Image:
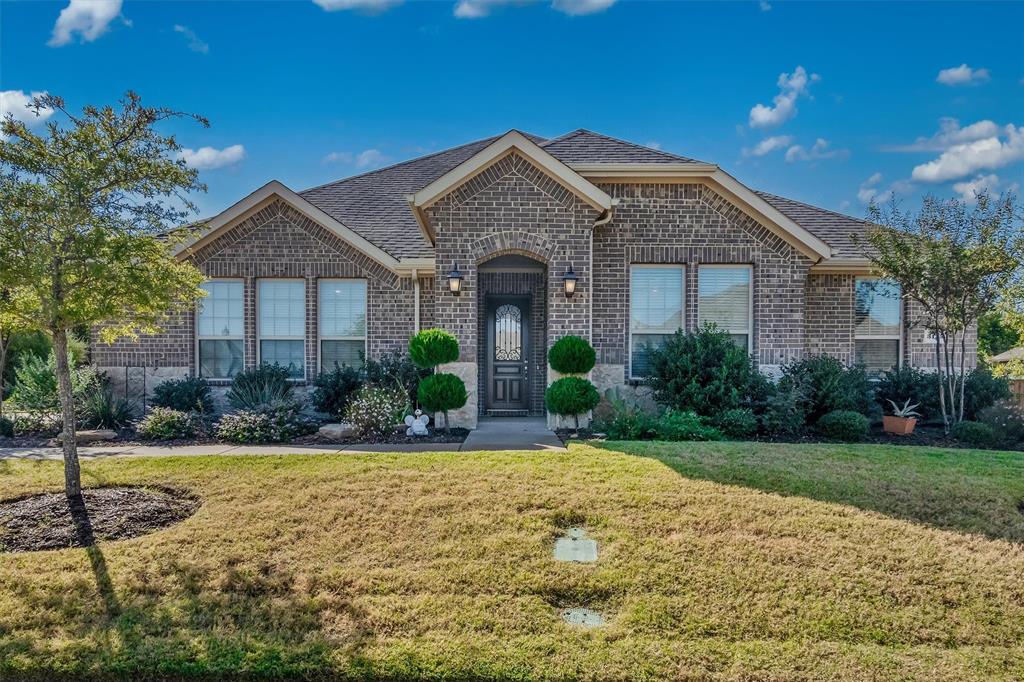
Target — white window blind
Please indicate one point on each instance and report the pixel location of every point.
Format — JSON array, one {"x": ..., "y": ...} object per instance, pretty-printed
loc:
[
  {"x": 656, "y": 311},
  {"x": 876, "y": 324},
  {"x": 220, "y": 329},
  {"x": 342, "y": 306},
  {"x": 723, "y": 299},
  {"x": 282, "y": 324}
]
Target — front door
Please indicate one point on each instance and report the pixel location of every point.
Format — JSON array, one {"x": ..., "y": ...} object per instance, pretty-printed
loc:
[{"x": 507, "y": 345}]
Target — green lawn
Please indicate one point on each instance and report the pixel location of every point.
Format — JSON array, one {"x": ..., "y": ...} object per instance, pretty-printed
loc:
[{"x": 731, "y": 561}]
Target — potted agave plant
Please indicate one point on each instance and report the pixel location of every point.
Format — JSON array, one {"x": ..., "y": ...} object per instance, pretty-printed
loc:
[{"x": 902, "y": 420}]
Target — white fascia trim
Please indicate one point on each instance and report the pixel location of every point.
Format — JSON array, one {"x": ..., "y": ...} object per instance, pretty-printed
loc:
[
  {"x": 233, "y": 214},
  {"x": 762, "y": 211},
  {"x": 844, "y": 266},
  {"x": 494, "y": 151},
  {"x": 415, "y": 267}
]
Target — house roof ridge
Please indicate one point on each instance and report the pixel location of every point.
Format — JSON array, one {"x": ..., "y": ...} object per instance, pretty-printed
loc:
[{"x": 636, "y": 145}]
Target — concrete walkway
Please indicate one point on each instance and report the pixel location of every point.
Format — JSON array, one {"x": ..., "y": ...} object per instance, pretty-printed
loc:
[{"x": 509, "y": 433}]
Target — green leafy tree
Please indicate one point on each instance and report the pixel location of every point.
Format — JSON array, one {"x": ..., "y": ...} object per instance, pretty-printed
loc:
[
  {"x": 87, "y": 232},
  {"x": 995, "y": 336},
  {"x": 10, "y": 324},
  {"x": 956, "y": 262}
]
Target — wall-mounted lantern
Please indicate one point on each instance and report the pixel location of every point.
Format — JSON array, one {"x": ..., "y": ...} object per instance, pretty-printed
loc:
[
  {"x": 569, "y": 280},
  {"x": 455, "y": 280}
]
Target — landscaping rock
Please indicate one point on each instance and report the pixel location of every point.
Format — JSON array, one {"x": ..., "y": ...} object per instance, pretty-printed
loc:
[
  {"x": 91, "y": 436},
  {"x": 338, "y": 431}
]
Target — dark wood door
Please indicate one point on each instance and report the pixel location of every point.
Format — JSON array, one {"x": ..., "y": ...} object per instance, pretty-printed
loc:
[{"x": 507, "y": 353}]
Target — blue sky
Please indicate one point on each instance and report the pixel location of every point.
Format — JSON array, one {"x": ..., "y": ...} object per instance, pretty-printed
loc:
[{"x": 906, "y": 98}]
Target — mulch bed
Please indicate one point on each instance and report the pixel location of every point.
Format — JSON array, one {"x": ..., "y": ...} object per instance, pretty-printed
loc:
[
  {"x": 50, "y": 521},
  {"x": 397, "y": 438}
]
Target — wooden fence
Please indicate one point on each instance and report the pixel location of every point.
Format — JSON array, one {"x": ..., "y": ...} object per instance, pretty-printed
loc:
[{"x": 1017, "y": 388}]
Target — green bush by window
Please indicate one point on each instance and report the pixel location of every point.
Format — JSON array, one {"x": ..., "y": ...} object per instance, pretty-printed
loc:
[
  {"x": 704, "y": 372},
  {"x": 621, "y": 419},
  {"x": 983, "y": 389},
  {"x": 845, "y": 425},
  {"x": 259, "y": 387},
  {"x": 738, "y": 423},
  {"x": 35, "y": 383},
  {"x": 828, "y": 385},
  {"x": 975, "y": 434},
  {"x": 909, "y": 383},
  {"x": 784, "y": 410},
  {"x": 189, "y": 394},
  {"x": 572, "y": 355},
  {"x": 679, "y": 425},
  {"x": 334, "y": 389},
  {"x": 571, "y": 397},
  {"x": 433, "y": 347},
  {"x": 101, "y": 409},
  {"x": 165, "y": 423},
  {"x": 394, "y": 368}
]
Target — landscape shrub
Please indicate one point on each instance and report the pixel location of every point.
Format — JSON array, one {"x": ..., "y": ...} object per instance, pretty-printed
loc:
[
  {"x": 621, "y": 419},
  {"x": 271, "y": 423},
  {"x": 259, "y": 387},
  {"x": 35, "y": 383},
  {"x": 166, "y": 423},
  {"x": 20, "y": 345},
  {"x": 827, "y": 385},
  {"x": 571, "y": 397},
  {"x": 189, "y": 394},
  {"x": 737, "y": 423},
  {"x": 845, "y": 425},
  {"x": 396, "y": 367},
  {"x": 982, "y": 389},
  {"x": 572, "y": 355},
  {"x": 37, "y": 424},
  {"x": 976, "y": 434},
  {"x": 784, "y": 409},
  {"x": 6, "y": 428},
  {"x": 376, "y": 410},
  {"x": 101, "y": 409},
  {"x": 441, "y": 393},
  {"x": 334, "y": 389},
  {"x": 909, "y": 383},
  {"x": 704, "y": 372},
  {"x": 1006, "y": 420},
  {"x": 678, "y": 425},
  {"x": 433, "y": 347}
]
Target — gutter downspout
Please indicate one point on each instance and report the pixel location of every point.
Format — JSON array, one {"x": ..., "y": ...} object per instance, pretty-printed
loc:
[
  {"x": 415, "y": 301},
  {"x": 604, "y": 219}
]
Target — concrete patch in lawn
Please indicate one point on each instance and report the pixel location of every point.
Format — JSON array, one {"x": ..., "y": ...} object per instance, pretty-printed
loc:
[
  {"x": 575, "y": 546},
  {"x": 587, "y": 618}
]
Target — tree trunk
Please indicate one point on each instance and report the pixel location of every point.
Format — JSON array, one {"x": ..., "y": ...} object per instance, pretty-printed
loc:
[
  {"x": 963, "y": 374},
  {"x": 941, "y": 384},
  {"x": 447, "y": 425},
  {"x": 72, "y": 471},
  {"x": 5, "y": 342}
]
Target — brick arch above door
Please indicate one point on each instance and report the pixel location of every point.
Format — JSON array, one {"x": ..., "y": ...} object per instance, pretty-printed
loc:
[{"x": 513, "y": 242}]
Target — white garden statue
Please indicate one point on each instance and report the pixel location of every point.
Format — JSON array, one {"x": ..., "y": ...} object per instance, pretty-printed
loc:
[{"x": 417, "y": 425}]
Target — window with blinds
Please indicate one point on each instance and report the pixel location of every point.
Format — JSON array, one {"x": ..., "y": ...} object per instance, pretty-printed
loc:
[
  {"x": 877, "y": 324},
  {"x": 724, "y": 300},
  {"x": 342, "y": 309},
  {"x": 655, "y": 311},
  {"x": 220, "y": 329},
  {"x": 281, "y": 322}
]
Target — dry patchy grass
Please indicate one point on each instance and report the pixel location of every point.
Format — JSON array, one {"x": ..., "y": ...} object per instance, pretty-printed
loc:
[{"x": 439, "y": 565}]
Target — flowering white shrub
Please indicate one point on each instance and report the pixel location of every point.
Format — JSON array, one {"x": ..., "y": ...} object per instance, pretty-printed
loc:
[
  {"x": 375, "y": 410},
  {"x": 272, "y": 424}
]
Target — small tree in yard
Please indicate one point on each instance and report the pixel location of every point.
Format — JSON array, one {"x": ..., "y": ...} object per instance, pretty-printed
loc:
[
  {"x": 956, "y": 262},
  {"x": 86, "y": 234},
  {"x": 571, "y": 395},
  {"x": 438, "y": 392}
]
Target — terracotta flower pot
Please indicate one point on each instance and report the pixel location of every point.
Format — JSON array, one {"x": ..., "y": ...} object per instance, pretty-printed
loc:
[{"x": 901, "y": 426}]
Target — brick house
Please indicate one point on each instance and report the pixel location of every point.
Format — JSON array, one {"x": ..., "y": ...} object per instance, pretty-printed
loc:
[{"x": 655, "y": 242}]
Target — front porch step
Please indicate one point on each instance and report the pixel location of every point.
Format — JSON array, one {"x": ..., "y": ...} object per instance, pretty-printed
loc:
[{"x": 508, "y": 413}]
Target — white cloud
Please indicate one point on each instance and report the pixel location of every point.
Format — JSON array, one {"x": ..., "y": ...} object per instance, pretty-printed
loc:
[
  {"x": 765, "y": 5},
  {"x": 208, "y": 158},
  {"x": 962, "y": 160},
  {"x": 950, "y": 133},
  {"x": 367, "y": 6},
  {"x": 970, "y": 189},
  {"x": 15, "y": 103},
  {"x": 576, "y": 8},
  {"x": 368, "y": 158},
  {"x": 818, "y": 151},
  {"x": 791, "y": 87},
  {"x": 868, "y": 189},
  {"x": 653, "y": 144},
  {"x": 962, "y": 75},
  {"x": 194, "y": 43},
  {"x": 90, "y": 18},
  {"x": 768, "y": 145},
  {"x": 844, "y": 204},
  {"x": 477, "y": 9}
]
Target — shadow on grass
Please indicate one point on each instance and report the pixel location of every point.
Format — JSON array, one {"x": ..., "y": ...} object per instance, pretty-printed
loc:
[
  {"x": 87, "y": 539},
  {"x": 960, "y": 490}
]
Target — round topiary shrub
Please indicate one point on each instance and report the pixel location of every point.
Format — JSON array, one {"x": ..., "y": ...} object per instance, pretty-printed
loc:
[
  {"x": 571, "y": 396},
  {"x": 433, "y": 347},
  {"x": 738, "y": 423},
  {"x": 844, "y": 425},
  {"x": 440, "y": 393},
  {"x": 572, "y": 355},
  {"x": 978, "y": 434}
]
